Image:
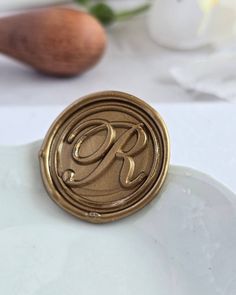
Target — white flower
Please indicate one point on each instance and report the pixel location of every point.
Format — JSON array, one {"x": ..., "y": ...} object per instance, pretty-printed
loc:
[
  {"x": 187, "y": 24},
  {"x": 207, "y": 5},
  {"x": 219, "y": 23}
]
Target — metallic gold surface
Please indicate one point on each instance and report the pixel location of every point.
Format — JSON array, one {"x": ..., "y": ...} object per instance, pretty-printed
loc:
[{"x": 105, "y": 157}]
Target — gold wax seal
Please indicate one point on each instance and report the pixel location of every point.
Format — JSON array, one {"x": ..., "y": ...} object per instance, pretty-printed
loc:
[{"x": 105, "y": 157}]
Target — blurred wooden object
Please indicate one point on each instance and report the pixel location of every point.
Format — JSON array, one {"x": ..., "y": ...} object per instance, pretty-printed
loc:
[{"x": 56, "y": 41}]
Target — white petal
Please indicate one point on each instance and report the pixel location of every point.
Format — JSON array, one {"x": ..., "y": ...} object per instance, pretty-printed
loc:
[
  {"x": 221, "y": 23},
  {"x": 215, "y": 75}
]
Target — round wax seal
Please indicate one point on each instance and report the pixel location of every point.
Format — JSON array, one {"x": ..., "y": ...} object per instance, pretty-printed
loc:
[{"x": 105, "y": 157}]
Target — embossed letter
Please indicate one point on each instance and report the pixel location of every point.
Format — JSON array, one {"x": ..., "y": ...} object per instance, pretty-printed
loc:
[{"x": 110, "y": 150}]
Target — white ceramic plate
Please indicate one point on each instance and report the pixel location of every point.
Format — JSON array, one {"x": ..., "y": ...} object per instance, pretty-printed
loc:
[{"x": 182, "y": 243}]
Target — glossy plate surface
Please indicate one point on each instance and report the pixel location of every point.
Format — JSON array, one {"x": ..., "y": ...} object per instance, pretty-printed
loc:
[{"x": 181, "y": 243}]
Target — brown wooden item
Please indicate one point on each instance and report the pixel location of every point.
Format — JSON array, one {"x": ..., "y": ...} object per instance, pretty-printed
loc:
[
  {"x": 105, "y": 157},
  {"x": 56, "y": 41}
]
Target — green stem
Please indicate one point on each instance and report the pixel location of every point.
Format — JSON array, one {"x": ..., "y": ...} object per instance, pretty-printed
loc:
[
  {"x": 123, "y": 15},
  {"x": 86, "y": 3}
]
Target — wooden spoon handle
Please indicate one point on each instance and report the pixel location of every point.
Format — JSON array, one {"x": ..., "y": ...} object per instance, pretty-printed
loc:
[{"x": 56, "y": 41}]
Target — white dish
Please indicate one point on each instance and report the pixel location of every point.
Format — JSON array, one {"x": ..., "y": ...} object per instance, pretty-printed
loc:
[{"x": 182, "y": 243}]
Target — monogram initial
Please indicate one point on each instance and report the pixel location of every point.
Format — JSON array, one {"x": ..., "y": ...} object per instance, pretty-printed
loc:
[{"x": 111, "y": 149}]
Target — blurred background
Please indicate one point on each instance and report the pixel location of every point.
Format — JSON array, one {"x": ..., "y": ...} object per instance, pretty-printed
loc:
[
  {"x": 178, "y": 55},
  {"x": 169, "y": 51}
]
